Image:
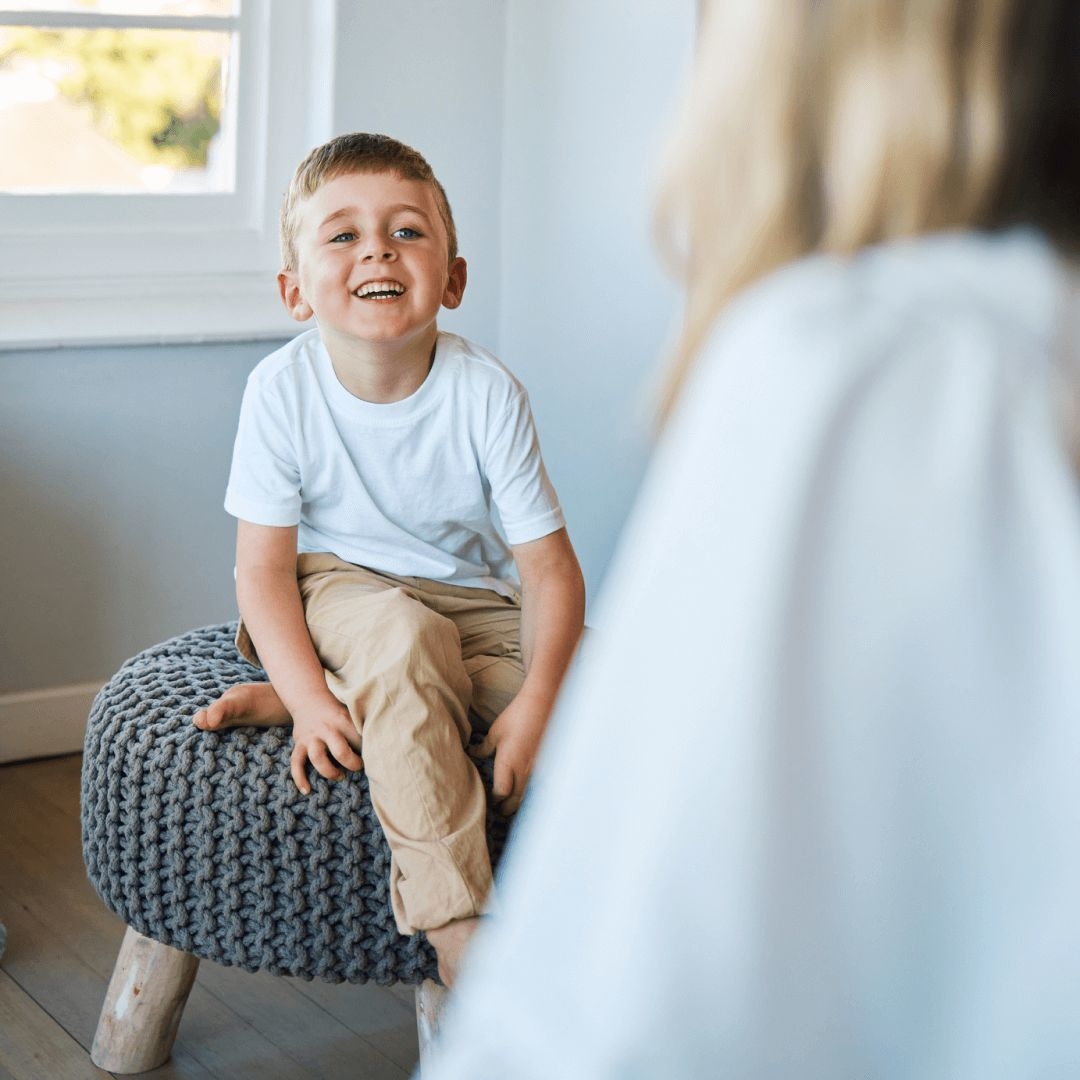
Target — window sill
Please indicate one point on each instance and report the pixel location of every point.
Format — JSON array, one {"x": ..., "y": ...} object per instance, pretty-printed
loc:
[{"x": 133, "y": 311}]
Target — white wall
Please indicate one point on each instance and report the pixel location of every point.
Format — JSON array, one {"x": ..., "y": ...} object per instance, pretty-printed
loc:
[
  {"x": 590, "y": 87},
  {"x": 112, "y": 470},
  {"x": 430, "y": 73},
  {"x": 112, "y": 535}
]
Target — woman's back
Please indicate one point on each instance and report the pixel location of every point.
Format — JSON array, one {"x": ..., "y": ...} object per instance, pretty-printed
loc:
[{"x": 831, "y": 707}]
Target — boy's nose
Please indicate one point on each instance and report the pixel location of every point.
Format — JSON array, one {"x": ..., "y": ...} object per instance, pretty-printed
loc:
[{"x": 377, "y": 253}]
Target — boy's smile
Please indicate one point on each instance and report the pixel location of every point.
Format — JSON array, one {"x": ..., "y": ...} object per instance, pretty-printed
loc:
[
  {"x": 372, "y": 264},
  {"x": 380, "y": 290}
]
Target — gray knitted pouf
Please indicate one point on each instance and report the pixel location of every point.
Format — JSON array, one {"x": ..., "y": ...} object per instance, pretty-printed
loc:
[{"x": 201, "y": 840}]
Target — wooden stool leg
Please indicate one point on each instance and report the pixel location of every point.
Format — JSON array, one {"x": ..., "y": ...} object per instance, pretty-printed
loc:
[
  {"x": 146, "y": 997},
  {"x": 430, "y": 1000}
]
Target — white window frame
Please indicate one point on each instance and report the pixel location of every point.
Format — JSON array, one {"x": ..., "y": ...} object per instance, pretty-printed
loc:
[{"x": 124, "y": 269}]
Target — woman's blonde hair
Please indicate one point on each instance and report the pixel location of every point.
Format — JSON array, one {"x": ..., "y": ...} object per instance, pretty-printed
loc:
[{"x": 829, "y": 125}]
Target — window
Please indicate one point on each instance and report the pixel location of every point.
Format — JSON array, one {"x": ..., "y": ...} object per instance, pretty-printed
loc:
[{"x": 146, "y": 147}]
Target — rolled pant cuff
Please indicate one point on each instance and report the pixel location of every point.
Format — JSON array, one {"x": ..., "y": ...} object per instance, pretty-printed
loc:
[{"x": 444, "y": 883}]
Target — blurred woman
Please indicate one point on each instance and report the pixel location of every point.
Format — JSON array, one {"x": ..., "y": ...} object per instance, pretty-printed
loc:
[{"x": 810, "y": 807}]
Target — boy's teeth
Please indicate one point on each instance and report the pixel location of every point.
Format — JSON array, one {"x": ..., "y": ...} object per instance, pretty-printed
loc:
[{"x": 379, "y": 291}]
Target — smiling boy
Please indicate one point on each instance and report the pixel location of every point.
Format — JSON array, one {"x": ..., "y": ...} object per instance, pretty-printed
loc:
[{"x": 373, "y": 584}]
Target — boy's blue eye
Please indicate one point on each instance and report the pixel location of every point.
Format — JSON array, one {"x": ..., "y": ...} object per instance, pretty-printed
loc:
[
  {"x": 406, "y": 233},
  {"x": 342, "y": 237}
]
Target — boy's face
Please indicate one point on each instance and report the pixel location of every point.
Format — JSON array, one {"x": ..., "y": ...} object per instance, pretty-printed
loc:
[{"x": 372, "y": 260}]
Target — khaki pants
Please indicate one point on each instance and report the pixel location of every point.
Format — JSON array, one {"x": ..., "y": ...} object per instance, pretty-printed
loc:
[{"x": 408, "y": 658}]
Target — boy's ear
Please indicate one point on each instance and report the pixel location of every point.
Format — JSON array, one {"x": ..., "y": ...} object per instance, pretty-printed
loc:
[
  {"x": 455, "y": 283},
  {"x": 289, "y": 289}
]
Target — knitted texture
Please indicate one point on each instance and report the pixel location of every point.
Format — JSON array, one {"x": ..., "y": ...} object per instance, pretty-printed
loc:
[{"x": 201, "y": 840}]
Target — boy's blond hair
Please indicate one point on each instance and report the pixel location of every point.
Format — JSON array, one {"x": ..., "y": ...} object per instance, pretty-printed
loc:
[
  {"x": 830, "y": 125},
  {"x": 357, "y": 152}
]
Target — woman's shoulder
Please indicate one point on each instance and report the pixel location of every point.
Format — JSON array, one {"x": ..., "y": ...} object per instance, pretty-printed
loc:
[
  {"x": 1011, "y": 281},
  {"x": 908, "y": 356}
]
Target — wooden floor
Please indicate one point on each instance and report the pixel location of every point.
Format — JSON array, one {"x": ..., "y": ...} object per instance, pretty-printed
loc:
[{"x": 62, "y": 942}]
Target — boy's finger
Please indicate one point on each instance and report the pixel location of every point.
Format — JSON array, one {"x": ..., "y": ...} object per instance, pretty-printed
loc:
[
  {"x": 348, "y": 732},
  {"x": 319, "y": 756},
  {"x": 510, "y": 805},
  {"x": 299, "y": 773},
  {"x": 503, "y": 783},
  {"x": 347, "y": 757}
]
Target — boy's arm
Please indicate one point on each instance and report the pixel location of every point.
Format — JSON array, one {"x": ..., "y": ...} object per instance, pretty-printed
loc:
[
  {"x": 552, "y": 620},
  {"x": 273, "y": 613}
]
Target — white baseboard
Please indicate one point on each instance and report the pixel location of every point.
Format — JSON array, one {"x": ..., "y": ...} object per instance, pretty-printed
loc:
[{"x": 41, "y": 723}]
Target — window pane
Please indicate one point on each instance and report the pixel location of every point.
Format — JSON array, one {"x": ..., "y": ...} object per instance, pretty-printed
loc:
[
  {"x": 187, "y": 8},
  {"x": 104, "y": 111}
]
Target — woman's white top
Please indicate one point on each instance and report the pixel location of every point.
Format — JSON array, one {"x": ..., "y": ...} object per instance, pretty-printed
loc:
[{"x": 811, "y": 806}]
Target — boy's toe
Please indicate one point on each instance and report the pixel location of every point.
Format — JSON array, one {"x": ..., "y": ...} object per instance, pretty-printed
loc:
[{"x": 209, "y": 719}]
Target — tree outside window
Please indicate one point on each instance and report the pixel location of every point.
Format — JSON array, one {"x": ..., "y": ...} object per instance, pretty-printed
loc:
[{"x": 117, "y": 107}]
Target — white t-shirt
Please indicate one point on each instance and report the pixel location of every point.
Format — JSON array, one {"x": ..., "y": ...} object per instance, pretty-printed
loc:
[
  {"x": 811, "y": 806},
  {"x": 407, "y": 488}
]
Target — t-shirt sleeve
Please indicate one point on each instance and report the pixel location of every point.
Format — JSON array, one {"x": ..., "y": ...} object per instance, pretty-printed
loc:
[
  {"x": 264, "y": 481},
  {"x": 520, "y": 488}
]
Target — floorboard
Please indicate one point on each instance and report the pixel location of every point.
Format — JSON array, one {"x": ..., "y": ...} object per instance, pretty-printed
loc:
[
  {"x": 62, "y": 942},
  {"x": 33, "y": 1046},
  {"x": 373, "y": 1012}
]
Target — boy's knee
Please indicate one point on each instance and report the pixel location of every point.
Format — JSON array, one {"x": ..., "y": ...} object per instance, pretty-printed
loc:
[
  {"x": 413, "y": 651},
  {"x": 420, "y": 636},
  {"x": 401, "y": 662},
  {"x": 387, "y": 628}
]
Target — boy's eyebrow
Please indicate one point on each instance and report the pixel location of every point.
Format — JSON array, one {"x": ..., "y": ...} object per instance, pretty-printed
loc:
[{"x": 349, "y": 211}]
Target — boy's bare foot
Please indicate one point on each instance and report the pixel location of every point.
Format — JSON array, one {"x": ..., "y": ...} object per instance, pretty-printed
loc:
[
  {"x": 248, "y": 705},
  {"x": 451, "y": 942}
]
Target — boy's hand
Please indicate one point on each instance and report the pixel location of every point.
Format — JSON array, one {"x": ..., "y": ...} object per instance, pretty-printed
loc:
[
  {"x": 325, "y": 735},
  {"x": 514, "y": 739}
]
